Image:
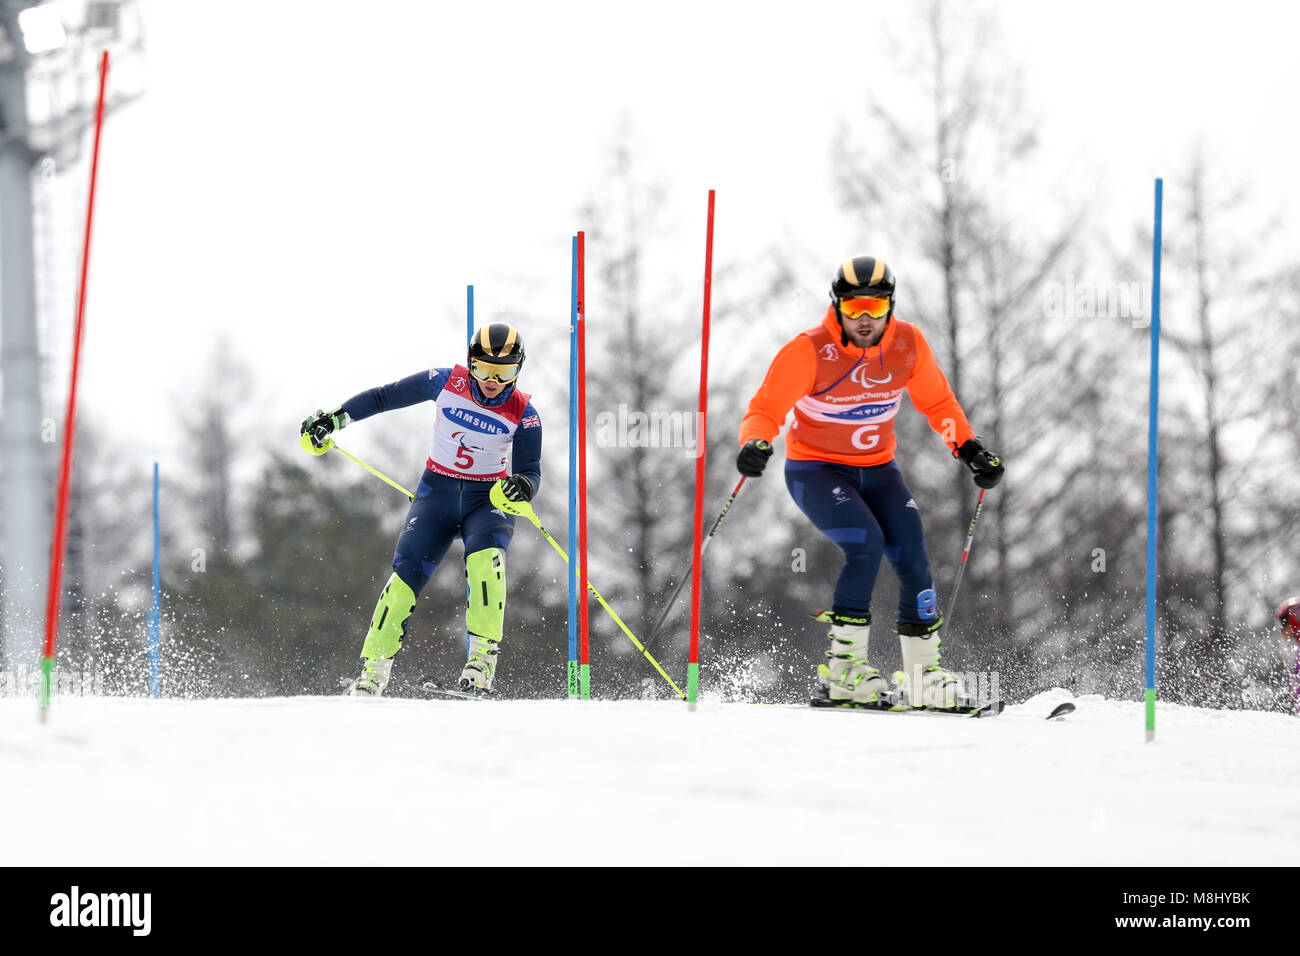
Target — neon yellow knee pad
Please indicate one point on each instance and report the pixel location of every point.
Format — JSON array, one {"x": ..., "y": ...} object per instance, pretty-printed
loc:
[
  {"x": 485, "y": 608},
  {"x": 396, "y": 602}
]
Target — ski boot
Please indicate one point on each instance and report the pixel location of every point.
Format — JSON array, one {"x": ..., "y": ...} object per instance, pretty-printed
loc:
[
  {"x": 384, "y": 639},
  {"x": 373, "y": 679},
  {"x": 846, "y": 677},
  {"x": 481, "y": 668},
  {"x": 485, "y": 611},
  {"x": 924, "y": 681}
]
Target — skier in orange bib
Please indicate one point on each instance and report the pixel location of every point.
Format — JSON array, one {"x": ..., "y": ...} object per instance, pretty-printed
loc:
[{"x": 845, "y": 380}]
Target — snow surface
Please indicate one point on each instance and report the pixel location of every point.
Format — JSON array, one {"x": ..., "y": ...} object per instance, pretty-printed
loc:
[{"x": 312, "y": 780}]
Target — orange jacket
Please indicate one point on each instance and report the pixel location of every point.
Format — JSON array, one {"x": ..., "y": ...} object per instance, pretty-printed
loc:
[{"x": 845, "y": 398}]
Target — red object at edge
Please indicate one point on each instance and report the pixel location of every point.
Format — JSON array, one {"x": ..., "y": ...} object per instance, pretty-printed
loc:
[{"x": 69, "y": 423}]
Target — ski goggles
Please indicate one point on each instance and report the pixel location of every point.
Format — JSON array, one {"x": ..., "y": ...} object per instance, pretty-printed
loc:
[
  {"x": 874, "y": 306},
  {"x": 487, "y": 371}
]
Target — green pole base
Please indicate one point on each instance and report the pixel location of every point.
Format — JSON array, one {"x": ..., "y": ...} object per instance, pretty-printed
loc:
[
  {"x": 584, "y": 674},
  {"x": 47, "y": 678},
  {"x": 573, "y": 680},
  {"x": 692, "y": 683},
  {"x": 1151, "y": 714}
]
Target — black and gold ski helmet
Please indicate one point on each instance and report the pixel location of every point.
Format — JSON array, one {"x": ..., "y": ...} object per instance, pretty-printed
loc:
[
  {"x": 496, "y": 351},
  {"x": 863, "y": 276}
]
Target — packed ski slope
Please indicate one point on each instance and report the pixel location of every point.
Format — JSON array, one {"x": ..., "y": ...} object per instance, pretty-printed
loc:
[{"x": 333, "y": 780}]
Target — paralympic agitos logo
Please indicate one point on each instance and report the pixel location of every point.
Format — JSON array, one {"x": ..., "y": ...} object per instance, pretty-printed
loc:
[{"x": 859, "y": 376}]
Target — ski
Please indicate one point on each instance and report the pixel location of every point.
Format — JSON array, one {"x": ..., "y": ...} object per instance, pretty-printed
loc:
[
  {"x": 991, "y": 709},
  {"x": 431, "y": 686}
]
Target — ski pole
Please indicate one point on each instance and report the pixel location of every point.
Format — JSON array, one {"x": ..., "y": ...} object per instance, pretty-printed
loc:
[
  {"x": 663, "y": 615},
  {"x": 961, "y": 568},
  {"x": 526, "y": 510},
  {"x": 330, "y": 443}
]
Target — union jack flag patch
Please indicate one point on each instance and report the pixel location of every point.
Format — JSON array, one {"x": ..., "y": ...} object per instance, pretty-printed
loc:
[{"x": 530, "y": 421}]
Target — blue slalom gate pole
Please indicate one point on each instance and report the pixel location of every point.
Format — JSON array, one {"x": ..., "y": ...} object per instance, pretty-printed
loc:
[
  {"x": 469, "y": 314},
  {"x": 155, "y": 622},
  {"x": 1153, "y": 461},
  {"x": 574, "y": 690}
]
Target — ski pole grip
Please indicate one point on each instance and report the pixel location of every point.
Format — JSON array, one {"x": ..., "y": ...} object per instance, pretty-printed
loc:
[{"x": 499, "y": 500}]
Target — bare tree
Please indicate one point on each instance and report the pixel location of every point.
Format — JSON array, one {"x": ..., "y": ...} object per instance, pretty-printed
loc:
[
  {"x": 633, "y": 341},
  {"x": 213, "y": 449},
  {"x": 1220, "y": 320}
]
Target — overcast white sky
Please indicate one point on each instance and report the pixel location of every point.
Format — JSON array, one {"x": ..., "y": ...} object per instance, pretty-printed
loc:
[{"x": 319, "y": 181}]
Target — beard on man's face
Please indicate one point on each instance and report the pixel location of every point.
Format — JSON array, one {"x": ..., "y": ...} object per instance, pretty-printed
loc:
[{"x": 867, "y": 337}]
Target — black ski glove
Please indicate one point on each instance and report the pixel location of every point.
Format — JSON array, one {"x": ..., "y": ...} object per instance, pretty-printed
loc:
[
  {"x": 984, "y": 465},
  {"x": 321, "y": 425},
  {"x": 517, "y": 488},
  {"x": 753, "y": 457}
]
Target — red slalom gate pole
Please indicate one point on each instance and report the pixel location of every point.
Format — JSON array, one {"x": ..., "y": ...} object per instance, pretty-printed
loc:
[
  {"x": 701, "y": 446},
  {"x": 584, "y": 649},
  {"x": 70, "y": 426}
]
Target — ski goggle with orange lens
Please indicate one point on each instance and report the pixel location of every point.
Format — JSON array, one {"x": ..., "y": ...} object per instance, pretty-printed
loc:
[
  {"x": 487, "y": 371},
  {"x": 874, "y": 306}
]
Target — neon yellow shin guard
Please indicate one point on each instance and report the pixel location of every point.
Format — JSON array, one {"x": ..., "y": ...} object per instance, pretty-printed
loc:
[
  {"x": 485, "y": 609},
  {"x": 396, "y": 602}
]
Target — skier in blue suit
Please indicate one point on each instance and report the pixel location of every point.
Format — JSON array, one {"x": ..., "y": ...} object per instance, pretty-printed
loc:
[{"x": 486, "y": 430}]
